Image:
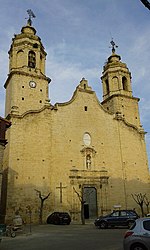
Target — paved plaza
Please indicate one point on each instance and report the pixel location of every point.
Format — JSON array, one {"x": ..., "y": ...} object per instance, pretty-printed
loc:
[{"x": 72, "y": 237}]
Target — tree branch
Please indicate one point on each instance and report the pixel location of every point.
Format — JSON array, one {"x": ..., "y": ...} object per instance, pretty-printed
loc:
[{"x": 42, "y": 197}]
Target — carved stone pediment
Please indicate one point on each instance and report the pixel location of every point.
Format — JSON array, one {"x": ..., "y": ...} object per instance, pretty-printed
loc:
[{"x": 88, "y": 150}]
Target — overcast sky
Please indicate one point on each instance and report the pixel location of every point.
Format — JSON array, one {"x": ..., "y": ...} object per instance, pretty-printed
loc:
[{"x": 76, "y": 35}]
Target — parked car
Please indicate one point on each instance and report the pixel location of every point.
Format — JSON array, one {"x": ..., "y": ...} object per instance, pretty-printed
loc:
[
  {"x": 117, "y": 218},
  {"x": 59, "y": 218},
  {"x": 138, "y": 236}
]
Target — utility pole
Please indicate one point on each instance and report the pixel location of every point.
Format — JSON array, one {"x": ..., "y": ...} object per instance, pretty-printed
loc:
[{"x": 146, "y": 3}]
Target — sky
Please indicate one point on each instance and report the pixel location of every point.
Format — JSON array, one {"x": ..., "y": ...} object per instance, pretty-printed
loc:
[{"x": 76, "y": 35}]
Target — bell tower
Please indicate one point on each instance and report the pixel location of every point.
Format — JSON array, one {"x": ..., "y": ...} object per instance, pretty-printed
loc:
[
  {"x": 26, "y": 85},
  {"x": 117, "y": 89}
]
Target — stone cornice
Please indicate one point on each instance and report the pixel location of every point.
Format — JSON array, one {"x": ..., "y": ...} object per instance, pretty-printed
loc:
[
  {"x": 122, "y": 119},
  {"x": 25, "y": 74},
  {"x": 25, "y": 43},
  {"x": 120, "y": 95},
  {"x": 36, "y": 111}
]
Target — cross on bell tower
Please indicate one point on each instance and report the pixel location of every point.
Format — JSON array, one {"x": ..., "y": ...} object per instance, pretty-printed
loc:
[
  {"x": 31, "y": 15},
  {"x": 113, "y": 45}
]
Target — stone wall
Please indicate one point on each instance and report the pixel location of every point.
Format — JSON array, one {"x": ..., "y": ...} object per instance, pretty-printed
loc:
[{"x": 49, "y": 151}]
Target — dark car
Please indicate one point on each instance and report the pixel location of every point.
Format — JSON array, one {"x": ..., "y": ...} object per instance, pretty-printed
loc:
[
  {"x": 117, "y": 218},
  {"x": 59, "y": 218}
]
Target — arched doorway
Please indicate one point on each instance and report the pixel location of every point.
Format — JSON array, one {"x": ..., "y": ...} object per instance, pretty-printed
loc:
[{"x": 90, "y": 206}]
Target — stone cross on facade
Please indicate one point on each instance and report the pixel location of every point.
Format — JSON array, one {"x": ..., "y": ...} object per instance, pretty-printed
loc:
[{"x": 61, "y": 191}]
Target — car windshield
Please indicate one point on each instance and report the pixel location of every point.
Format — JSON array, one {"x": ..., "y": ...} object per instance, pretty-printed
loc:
[
  {"x": 115, "y": 214},
  {"x": 132, "y": 212}
]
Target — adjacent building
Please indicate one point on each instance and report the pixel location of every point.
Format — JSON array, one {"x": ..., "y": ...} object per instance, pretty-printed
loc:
[{"x": 4, "y": 124}]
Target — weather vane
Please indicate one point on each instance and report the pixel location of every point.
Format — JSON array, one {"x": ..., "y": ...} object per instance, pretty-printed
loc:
[
  {"x": 31, "y": 15},
  {"x": 113, "y": 46}
]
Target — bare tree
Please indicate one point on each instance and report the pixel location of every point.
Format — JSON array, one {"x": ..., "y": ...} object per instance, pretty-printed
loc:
[
  {"x": 82, "y": 202},
  {"x": 139, "y": 199},
  {"x": 146, "y": 3},
  {"x": 147, "y": 202},
  {"x": 42, "y": 199}
]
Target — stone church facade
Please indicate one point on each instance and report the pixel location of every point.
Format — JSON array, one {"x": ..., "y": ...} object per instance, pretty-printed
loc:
[{"x": 86, "y": 147}]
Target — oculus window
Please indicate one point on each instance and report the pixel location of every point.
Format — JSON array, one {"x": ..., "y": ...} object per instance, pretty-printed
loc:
[{"x": 87, "y": 139}]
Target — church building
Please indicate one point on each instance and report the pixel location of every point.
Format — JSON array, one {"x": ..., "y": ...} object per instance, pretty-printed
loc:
[{"x": 80, "y": 148}]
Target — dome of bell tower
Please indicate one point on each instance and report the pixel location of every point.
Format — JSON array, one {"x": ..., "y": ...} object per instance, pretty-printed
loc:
[
  {"x": 114, "y": 58},
  {"x": 28, "y": 30}
]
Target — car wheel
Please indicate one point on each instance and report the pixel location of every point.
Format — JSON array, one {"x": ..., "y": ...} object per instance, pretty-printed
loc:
[
  {"x": 13, "y": 234},
  {"x": 138, "y": 247},
  {"x": 103, "y": 225}
]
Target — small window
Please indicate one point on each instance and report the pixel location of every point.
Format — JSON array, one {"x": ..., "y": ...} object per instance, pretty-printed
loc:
[
  {"x": 115, "y": 214},
  {"x": 123, "y": 213},
  {"x": 23, "y": 87},
  {"x": 124, "y": 83},
  {"x": 40, "y": 101},
  {"x": 85, "y": 108},
  {"x": 22, "y": 98},
  {"x": 133, "y": 226},
  {"x": 35, "y": 45},
  {"x": 31, "y": 59},
  {"x": 107, "y": 86},
  {"x": 146, "y": 225}
]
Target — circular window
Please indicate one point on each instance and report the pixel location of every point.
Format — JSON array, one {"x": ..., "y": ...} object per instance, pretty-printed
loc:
[{"x": 87, "y": 139}]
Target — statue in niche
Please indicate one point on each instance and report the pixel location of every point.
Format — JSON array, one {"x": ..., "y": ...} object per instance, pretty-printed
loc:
[{"x": 88, "y": 161}]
